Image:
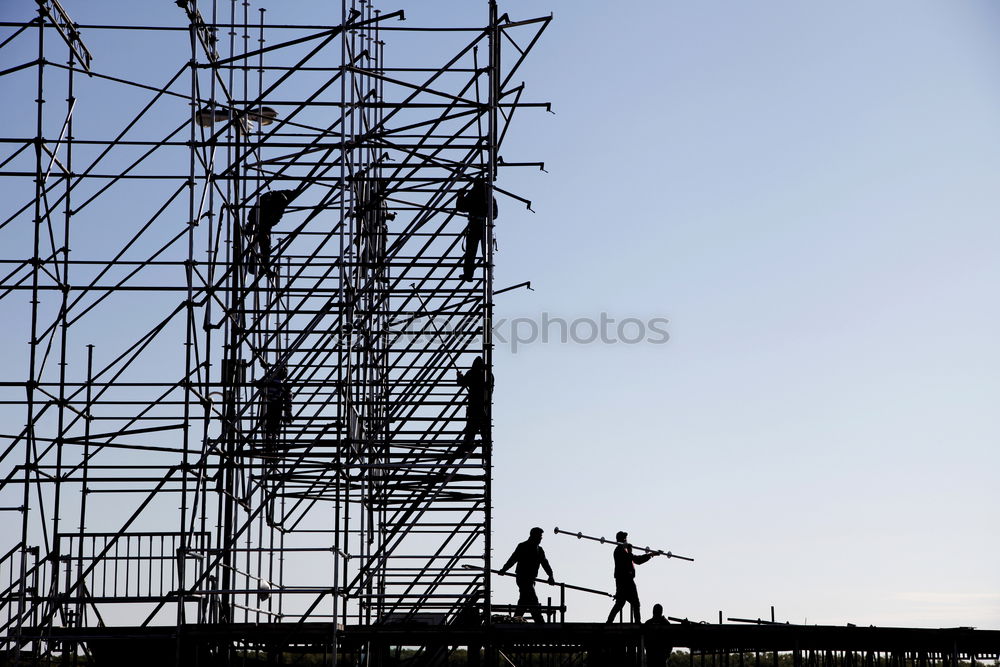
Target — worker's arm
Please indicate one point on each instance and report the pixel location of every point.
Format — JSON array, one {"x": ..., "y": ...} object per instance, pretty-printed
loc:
[
  {"x": 547, "y": 568},
  {"x": 510, "y": 561},
  {"x": 462, "y": 202},
  {"x": 639, "y": 560}
]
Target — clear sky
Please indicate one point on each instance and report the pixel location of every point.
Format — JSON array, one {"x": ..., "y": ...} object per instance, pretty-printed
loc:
[{"x": 807, "y": 191}]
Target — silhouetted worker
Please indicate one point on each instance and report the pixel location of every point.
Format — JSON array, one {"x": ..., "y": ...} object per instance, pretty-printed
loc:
[
  {"x": 657, "y": 650},
  {"x": 479, "y": 389},
  {"x": 529, "y": 555},
  {"x": 475, "y": 202},
  {"x": 372, "y": 214},
  {"x": 625, "y": 590},
  {"x": 275, "y": 406},
  {"x": 264, "y": 215}
]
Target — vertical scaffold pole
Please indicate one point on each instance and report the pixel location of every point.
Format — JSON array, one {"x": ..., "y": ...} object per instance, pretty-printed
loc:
[
  {"x": 33, "y": 375},
  {"x": 342, "y": 274},
  {"x": 491, "y": 166}
]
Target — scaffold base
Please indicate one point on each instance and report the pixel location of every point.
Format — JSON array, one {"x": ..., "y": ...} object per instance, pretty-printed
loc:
[{"x": 522, "y": 644}]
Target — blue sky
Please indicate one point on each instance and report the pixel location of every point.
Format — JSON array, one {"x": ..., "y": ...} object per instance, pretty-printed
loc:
[{"x": 807, "y": 192}]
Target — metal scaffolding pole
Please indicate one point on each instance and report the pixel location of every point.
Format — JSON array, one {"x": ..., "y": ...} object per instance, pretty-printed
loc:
[{"x": 250, "y": 408}]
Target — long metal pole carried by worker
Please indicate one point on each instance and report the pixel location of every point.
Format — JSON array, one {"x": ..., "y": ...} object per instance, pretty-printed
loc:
[
  {"x": 546, "y": 581},
  {"x": 603, "y": 540}
]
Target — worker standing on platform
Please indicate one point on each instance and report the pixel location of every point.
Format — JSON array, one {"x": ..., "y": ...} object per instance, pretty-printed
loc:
[
  {"x": 475, "y": 202},
  {"x": 625, "y": 590},
  {"x": 478, "y": 383},
  {"x": 529, "y": 555},
  {"x": 657, "y": 651},
  {"x": 263, "y": 216},
  {"x": 275, "y": 406}
]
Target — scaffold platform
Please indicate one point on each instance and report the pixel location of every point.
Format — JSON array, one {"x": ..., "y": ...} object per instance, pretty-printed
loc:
[{"x": 728, "y": 644}]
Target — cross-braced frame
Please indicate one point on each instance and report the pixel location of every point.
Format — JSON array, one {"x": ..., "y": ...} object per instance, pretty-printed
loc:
[{"x": 250, "y": 291}]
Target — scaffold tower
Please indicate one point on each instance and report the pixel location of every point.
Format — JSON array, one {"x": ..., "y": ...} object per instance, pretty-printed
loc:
[{"x": 247, "y": 290}]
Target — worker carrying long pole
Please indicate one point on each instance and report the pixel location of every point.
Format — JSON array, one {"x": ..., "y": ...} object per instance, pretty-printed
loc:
[
  {"x": 625, "y": 561},
  {"x": 634, "y": 547},
  {"x": 625, "y": 590},
  {"x": 529, "y": 555}
]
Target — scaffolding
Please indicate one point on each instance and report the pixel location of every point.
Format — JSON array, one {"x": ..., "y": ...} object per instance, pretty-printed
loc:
[{"x": 244, "y": 285}]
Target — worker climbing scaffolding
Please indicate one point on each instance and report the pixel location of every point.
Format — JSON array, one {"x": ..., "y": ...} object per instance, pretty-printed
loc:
[
  {"x": 372, "y": 214},
  {"x": 275, "y": 407},
  {"x": 263, "y": 216},
  {"x": 269, "y": 278},
  {"x": 474, "y": 201},
  {"x": 478, "y": 384}
]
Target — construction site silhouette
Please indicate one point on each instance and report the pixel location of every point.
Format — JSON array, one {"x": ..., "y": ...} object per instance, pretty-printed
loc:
[{"x": 254, "y": 420}]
